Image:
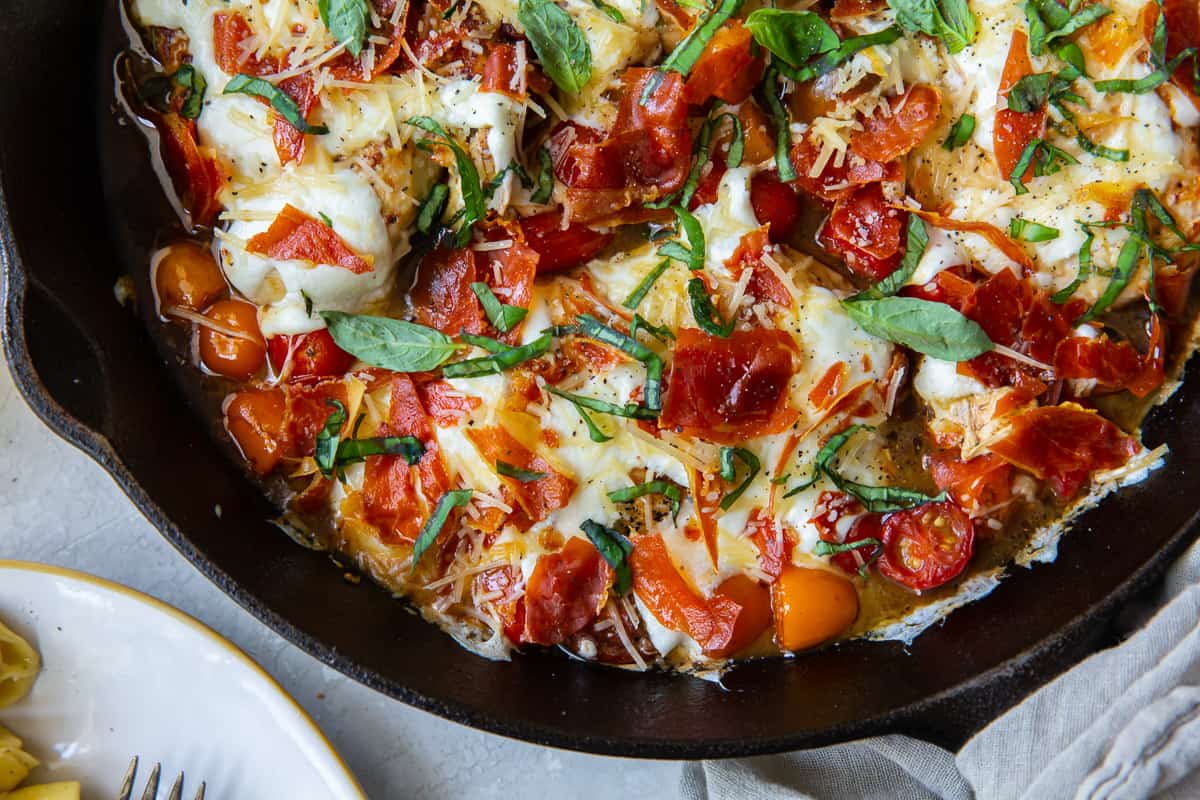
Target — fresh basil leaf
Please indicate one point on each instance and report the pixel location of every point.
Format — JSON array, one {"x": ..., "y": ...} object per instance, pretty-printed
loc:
[
  {"x": 503, "y": 317},
  {"x": 949, "y": 20},
  {"x": 284, "y": 105},
  {"x": 960, "y": 132},
  {"x": 325, "y": 451},
  {"x": 834, "y": 58},
  {"x": 1085, "y": 268},
  {"x": 687, "y": 52},
  {"x": 707, "y": 316},
  {"x": 883, "y": 499},
  {"x": 1045, "y": 159},
  {"x": 474, "y": 204},
  {"x": 772, "y": 89},
  {"x": 615, "y": 549},
  {"x": 647, "y": 283},
  {"x": 545, "y": 178},
  {"x": 1030, "y": 92},
  {"x": 437, "y": 520},
  {"x": 729, "y": 472},
  {"x": 389, "y": 343},
  {"x": 594, "y": 433},
  {"x": 1060, "y": 22},
  {"x": 486, "y": 342},
  {"x": 792, "y": 36},
  {"x": 352, "y": 451},
  {"x": 432, "y": 208},
  {"x": 592, "y": 327},
  {"x": 693, "y": 255},
  {"x": 917, "y": 241},
  {"x": 934, "y": 329},
  {"x": 346, "y": 21},
  {"x": 1029, "y": 231},
  {"x": 612, "y": 13},
  {"x": 518, "y": 473},
  {"x": 1086, "y": 144},
  {"x": 661, "y": 332},
  {"x": 665, "y": 488},
  {"x": 561, "y": 47},
  {"x": 308, "y": 304},
  {"x": 499, "y": 361},
  {"x": 824, "y": 548},
  {"x": 876, "y": 499},
  {"x": 1127, "y": 260},
  {"x": 628, "y": 411},
  {"x": 328, "y": 223},
  {"x": 194, "y": 86}
]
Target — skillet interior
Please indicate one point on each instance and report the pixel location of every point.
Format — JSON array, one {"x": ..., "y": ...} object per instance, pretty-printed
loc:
[{"x": 83, "y": 207}]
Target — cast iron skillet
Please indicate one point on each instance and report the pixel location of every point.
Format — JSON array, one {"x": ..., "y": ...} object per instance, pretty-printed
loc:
[{"x": 80, "y": 207}]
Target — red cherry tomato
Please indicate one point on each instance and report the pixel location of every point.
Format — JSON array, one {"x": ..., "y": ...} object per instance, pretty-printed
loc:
[
  {"x": 314, "y": 355},
  {"x": 776, "y": 204},
  {"x": 560, "y": 249},
  {"x": 926, "y": 546}
]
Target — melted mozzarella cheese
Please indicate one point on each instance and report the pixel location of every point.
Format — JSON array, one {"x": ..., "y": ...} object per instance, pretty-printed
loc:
[
  {"x": 353, "y": 208},
  {"x": 467, "y": 108},
  {"x": 727, "y": 220}
]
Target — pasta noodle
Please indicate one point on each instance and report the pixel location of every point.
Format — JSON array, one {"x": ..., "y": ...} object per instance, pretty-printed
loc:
[
  {"x": 15, "y": 763},
  {"x": 63, "y": 790},
  {"x": 19, "y": 665}
]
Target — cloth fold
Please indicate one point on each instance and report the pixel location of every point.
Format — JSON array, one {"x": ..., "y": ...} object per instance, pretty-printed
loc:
[{"x": 1123, "y": 724}]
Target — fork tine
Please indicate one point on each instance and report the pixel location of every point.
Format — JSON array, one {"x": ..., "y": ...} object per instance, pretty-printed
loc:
[
  {"x": 127, "y": 783},
  {"x": 177, "y": 789},
  {"x": 200, "y": 791},
  {"x": 152, "y": 785}
]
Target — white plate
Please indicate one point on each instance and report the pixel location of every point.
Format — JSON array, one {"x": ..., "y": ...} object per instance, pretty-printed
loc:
[{"x": 125, "y": 674}]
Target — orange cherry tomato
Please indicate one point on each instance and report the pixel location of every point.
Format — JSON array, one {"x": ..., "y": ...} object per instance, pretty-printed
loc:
[
  {"x": 234, "y": 356},
  {"x": 254, "y": 419},
  {"x": 926, "y": 546},
  {"x": 811, "y": 606},
  {"x": 314, "y": 355},
  {"x": 753, "y": 618},
  {"x": 187, "y": 276}
]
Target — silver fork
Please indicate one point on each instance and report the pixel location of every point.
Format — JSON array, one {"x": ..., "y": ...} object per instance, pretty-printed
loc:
[{"x": 151, "y": 791}]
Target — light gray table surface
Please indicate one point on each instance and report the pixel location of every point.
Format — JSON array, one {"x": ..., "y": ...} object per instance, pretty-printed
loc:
[{"x": 60, "y": 508}]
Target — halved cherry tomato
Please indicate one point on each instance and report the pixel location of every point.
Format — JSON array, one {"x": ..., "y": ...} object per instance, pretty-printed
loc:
[
  {"x": 314, "y": 355},
  {"x": 775, "y": 204},
  {"x": 811, "y": 606},
  {"x": 565, "y": 592},
  {"x": 926, "y": 546},
  {"x": 561, "y": 249},
  {"x": 867, "y": 232},
  {"x": 254, "y": 419},
  {"x": 234, "y": 356},
  {"x": 754, "y": 617},
  {"x": 728, "y": 69},
  {"x": 187, "y": 276}
]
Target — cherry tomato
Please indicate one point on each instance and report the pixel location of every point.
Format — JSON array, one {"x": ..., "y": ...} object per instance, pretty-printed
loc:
[
  {"x": 811, "y": 606},
  {"x": 560, "y": 249},
  {"x": 237, "y": 357},
  {"x": 187, "y": 276},
  {"x": 926, "y": 546},
  {"x": 314, "y": 355},
  {"x": 751, "y": 620},
  {"x": 775, "y": 204},
  {"x": 254, "y": 419}
]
